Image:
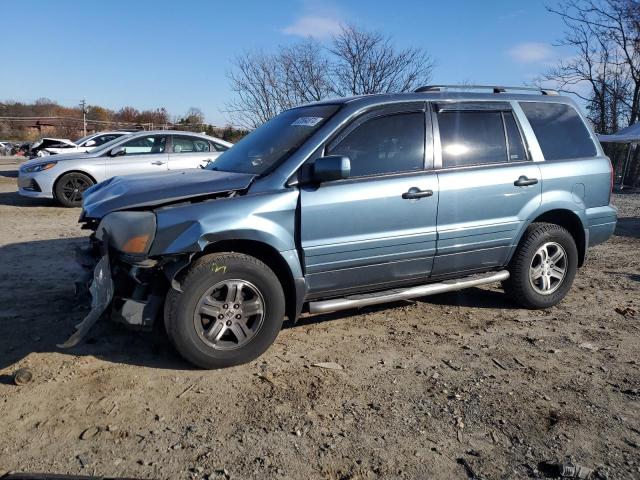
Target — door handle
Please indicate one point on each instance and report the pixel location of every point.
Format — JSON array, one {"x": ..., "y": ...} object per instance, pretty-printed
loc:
[
  {"x": 415, "y": 192},
  {"x": 525, "y": 181},
  {"x": 158, "y": 162}
]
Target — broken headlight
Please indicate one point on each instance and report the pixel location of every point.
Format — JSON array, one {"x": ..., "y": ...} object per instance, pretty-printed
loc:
[{"x": 128, "y": 232}]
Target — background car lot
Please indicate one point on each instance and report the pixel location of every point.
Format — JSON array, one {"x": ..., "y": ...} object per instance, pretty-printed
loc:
[{"x": 462, "y": 375}]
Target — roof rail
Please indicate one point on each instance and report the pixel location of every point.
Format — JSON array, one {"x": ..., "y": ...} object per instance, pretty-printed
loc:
[{"x": 495, "y": 88}]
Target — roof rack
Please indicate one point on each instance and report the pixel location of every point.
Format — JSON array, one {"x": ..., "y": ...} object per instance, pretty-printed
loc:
[{"x": 495, "y": 88}]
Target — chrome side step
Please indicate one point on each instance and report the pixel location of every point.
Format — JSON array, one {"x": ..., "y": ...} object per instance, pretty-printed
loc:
[{"x": 353, "y": 301}]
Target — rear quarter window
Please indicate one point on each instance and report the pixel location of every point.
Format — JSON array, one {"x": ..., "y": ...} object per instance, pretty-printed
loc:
[{"x": 560, "y": 131}]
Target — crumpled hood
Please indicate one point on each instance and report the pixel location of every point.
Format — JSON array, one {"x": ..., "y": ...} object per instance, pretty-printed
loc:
[
  {"x": 146, "y": 190},
  {"x": 50, "y": 142}
]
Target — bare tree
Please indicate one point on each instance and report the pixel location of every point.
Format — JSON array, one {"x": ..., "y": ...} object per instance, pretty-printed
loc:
[
  {"x": 358, "y": 62},
  {"x": 305, "y": 72},
  {"x": 254, "y": 80},
  {"x": 606, "y": 37},
  {"x": 368, "y": 62},
  {"x": 596, "y": 64}
]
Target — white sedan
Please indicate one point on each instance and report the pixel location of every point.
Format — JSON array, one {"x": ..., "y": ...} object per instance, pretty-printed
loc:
[
  {"x": 65, "y": 177},
  {"x": 53, "y": 146}
]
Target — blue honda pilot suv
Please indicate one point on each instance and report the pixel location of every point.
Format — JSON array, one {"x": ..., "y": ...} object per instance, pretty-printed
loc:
[{"x": 351, "y": 202}]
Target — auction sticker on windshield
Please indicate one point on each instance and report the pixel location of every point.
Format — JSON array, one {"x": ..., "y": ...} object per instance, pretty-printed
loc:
[{"x": 307, "y": 121}]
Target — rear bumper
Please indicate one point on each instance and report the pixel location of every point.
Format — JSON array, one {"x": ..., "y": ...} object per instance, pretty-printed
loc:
[{"x": 601, "y": 223}]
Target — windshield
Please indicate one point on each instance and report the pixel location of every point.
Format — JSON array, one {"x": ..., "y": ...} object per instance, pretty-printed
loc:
[
  {"x": 274, "y": 141},
  {"x": 108, "y": 145},
  {"x": 80, "y": 140}
]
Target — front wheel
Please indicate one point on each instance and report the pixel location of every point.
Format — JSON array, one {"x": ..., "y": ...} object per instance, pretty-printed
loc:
[
  {"x": 69, "y": 188},
  {"x": 543, "y": 267},
  {"x": 229, "y": 312}
]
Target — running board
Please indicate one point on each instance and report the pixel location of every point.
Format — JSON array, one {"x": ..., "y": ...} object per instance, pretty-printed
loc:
[{"x": 354, "y": 301}]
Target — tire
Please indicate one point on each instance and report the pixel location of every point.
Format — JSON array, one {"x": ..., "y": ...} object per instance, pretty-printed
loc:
[
  {"x": 211, "y": 331},
  {"x": 532, "y": 284},
  {"x": 69, "y": 188}
]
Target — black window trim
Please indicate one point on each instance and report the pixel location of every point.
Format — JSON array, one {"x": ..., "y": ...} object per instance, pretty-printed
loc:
[
  {"x": 523, "y": 140},
  {"x": 492, "y": 106},
  {"x": 379, "y": 111},
  {"x": 472, "y": 106}
]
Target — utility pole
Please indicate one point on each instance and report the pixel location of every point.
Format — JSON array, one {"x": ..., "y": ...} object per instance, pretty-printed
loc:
[{"x": 83, "y": 104}]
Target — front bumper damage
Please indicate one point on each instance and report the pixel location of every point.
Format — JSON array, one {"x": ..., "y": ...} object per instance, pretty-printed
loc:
[
  {"x": 131, "y": 291},
  {"x": 101, "y": 290}
]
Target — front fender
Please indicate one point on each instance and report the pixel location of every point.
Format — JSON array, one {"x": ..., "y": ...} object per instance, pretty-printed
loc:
[{"x": 268, "y": 218}]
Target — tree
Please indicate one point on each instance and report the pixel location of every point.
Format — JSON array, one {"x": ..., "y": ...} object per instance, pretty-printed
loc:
[
  {"x": 367, "y": 62},
  {"x": 357, "y": 62},
  {"x": 255, "y": 80},
  {"x": 128, "y": 115},
  {"x": 606, "y": 37},
  {"x": 194, "y": 116},
  {"x": 95, "y": 112},
  {"x": 304, "y": 75},
  {"x": 155, "y": 118}
]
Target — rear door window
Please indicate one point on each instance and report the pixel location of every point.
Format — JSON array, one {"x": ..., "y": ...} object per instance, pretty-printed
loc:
[
  {"x": 386, "y": 144},
  {"x": 479, "y": 137},
  {"x": 472, "y": 138},
  {"x": 218, "y": 147},
  {"x": 560, "y": 131},
  {"x": 185, "y": 144}
]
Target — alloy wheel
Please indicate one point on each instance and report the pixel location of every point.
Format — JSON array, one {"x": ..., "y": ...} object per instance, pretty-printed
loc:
[
  {"x": 229, "y": 314},
  {"x": 548, "y": 268},
  {"x": 73, "y": 188}
]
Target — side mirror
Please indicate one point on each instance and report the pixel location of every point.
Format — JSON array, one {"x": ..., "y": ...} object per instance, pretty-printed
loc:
[
  {"x": 333, "y": 167},
  {"x": 90, "y": 143},
  {"x": 116, "y": 152}
]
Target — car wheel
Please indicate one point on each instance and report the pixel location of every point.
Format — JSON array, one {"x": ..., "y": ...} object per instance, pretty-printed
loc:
[
  {"x": 69, "y": 188},
  {"x": 229, "y": 310},
  {"x": 543, "y": 267}
]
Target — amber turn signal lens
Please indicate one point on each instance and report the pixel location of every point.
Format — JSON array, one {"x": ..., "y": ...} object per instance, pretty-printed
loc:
[{"x": 136, "y": 244}]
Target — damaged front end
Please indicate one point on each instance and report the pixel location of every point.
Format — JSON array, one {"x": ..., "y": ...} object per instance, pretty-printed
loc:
[{"x": 120, "y": 277}]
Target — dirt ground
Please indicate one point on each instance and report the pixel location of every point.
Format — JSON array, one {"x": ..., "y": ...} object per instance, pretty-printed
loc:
[{"x": 426, "y": 386}]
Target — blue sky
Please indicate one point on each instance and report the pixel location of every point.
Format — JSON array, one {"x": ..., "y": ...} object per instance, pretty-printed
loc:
[{"x": 176, "y": 54}]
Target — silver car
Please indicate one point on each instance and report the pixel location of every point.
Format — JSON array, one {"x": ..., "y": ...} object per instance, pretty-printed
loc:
[{"x": 64, "y": 177}]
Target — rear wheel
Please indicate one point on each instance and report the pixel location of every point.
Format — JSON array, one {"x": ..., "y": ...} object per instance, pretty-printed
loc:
[
  {"x": 69, "y": 188},
  {"x": 543, "y": 267},
  {"x": 229, "y": 312}
]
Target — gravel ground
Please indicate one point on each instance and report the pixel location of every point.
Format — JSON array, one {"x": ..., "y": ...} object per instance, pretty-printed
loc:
[{"x": 425, "y": 386}]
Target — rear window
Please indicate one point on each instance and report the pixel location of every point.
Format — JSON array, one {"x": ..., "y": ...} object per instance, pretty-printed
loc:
[{"x": 560, "y": 131}]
